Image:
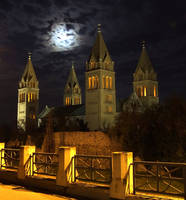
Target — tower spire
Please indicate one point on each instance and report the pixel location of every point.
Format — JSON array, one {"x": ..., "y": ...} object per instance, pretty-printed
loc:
[
  {"x": 72, "y": 64},
  {"x": 143, "y": 44},
  {"x": 99, "y": 27},
  {"x": 29, "y": 55}
]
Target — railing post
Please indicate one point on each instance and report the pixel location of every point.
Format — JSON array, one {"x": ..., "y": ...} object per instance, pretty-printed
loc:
[
  {"x": 122, "y": 175},
  {"x": 2, "y": 161},
  {"x": 65, "y": 173},
  {"x": 184, "y": 182},
  {"x": 25, "y": 153}
]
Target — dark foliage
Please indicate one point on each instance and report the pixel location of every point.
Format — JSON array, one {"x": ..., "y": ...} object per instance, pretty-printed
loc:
[{"x": 158, "y": 133}]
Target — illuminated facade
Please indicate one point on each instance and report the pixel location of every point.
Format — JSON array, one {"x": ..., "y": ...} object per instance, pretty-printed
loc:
[
  {"x": 99, "y": 111},
  {"x": 28, "y": 98},
  {"x": 145, "y": 82},
  {"x": 72, "y": 91},
  {"x": 100, "y": 94}
]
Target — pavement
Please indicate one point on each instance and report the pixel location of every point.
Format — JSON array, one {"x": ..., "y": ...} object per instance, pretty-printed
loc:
[{"x": 14, "y": 192}]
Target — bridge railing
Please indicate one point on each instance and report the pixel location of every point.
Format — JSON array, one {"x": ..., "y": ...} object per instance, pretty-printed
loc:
[
  {"x": 9, "y": 158},
  {"x": 159, "y": 177},
  {"x": 45, "y": 163},
  {"x": 93, "y": 168}
]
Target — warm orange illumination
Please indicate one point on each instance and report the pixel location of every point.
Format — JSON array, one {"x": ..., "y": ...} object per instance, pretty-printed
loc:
[
  {"x": 67, "y": 101},
  {"x": 107, "y": 82},
  {"x": 145, "y": 91},
  {"x": 155, "y": 91},
  {"x": 109, "y": 109},
  {"x": 110, "y": 83},
  {"x": 34, "y": 117},
  {"x": 93, "y": 82},
  {"x": 89, "y": 82},
  {"x": 141, "y": 91}
]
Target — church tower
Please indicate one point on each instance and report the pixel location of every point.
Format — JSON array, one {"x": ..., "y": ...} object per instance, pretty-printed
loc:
[
  {"x": 72, "y": 92},
  {"x": 100, "y": 94},
  {"x": 145, "y": 82},
  {"x": 28, "y": 98}
]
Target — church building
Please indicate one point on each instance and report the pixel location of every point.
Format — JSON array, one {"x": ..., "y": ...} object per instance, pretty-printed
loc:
[
  {"x": 99, "y": 111},
  {"x": 28, "y": 98}
]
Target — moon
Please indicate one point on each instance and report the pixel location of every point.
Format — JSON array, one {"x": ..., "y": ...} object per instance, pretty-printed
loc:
[{"x": 63, "y": 37}]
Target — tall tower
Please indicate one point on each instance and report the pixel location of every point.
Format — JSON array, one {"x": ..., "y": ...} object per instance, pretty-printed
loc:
[
  {"x": 28, "y": 98},
  {"x": 72, "y": 92},
  {"x": 145, "y": 82},
  {"x": 100, "y": 94}
]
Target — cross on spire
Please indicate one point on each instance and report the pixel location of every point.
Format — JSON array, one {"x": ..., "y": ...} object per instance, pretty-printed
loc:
[
  {"x": 143, "y": 43},
  {"x": 99, "y": 27},
  {"x": 29, "y": 55}
]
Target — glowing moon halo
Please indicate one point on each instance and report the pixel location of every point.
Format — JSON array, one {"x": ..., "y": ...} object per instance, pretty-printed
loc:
[{"x": 63, "y": 39}]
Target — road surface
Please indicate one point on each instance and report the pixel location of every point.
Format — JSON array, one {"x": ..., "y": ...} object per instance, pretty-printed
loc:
[{"x": 12, "y": 192}]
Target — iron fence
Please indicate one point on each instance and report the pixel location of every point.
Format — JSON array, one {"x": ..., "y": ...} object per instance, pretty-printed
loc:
[
  {"x": 159, "y": 177},
  {"x": 10, "y": 158},
  {"x": 93, "y": 168},
  {"x": 28, "y": 166},
  {"x": 45, "y": 163}
]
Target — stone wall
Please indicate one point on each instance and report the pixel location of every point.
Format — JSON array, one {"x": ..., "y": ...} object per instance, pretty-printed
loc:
[{"x": 88, "y": 143}]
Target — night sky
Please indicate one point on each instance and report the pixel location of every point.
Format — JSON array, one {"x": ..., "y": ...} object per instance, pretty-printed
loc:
[{"x": 58, "y": 32}]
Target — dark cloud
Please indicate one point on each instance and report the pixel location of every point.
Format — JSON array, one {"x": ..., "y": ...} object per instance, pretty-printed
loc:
[{"x": 27, "y": 26}]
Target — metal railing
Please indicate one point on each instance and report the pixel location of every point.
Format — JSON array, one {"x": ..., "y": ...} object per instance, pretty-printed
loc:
[
  {"x": 159, "y": 177},
  {"x": 10, "y": 158},
  {"x": 93, "y": 168},
  {"x": 45, "y": 163}
]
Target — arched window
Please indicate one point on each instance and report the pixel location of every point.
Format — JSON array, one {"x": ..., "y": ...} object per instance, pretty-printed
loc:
[
  {"x": 109, "y": 109},
  {"x": 68, "y": 101},
  {"x": 110, "y": 82},
  {"x": 97, "y": 82},
  {"x": 107, "y": 82},
  {"x": 155, "y": 91},
  {"x": 89, "y": 82},
  {"x": 93, "y": 81},
  {"x": 103, "y": 82},
  {"x": 28, "y": 97},
  {"x": 145, "y": 91},
  {"x": 138, "y": 91},
  {"x": 141, "y": 91}
]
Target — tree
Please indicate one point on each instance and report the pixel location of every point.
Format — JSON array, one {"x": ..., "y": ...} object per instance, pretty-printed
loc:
[{"x": 158, "y": 133}]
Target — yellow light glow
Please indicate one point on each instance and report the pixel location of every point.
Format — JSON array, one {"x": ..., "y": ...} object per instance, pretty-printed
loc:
[
  {"x": 110, "y": 83},
  {"x": 145, "y": 91},
  {"x": 93, "y": 81},
  {"x": 28, "y": 97}
]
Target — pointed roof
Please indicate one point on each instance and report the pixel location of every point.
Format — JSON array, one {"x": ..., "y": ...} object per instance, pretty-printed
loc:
[
  {"x": 144, "y": 62},
  {"x": 72, "y": 78},
  {"x": 99, "y": 50},
  {"x": 29, "y": 73}
]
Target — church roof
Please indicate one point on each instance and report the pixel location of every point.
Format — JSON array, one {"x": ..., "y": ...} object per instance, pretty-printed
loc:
[
  {"x": 144, "y": 62},
  {"x": 99, "y": 51},
  {"x": 29, "y": 73},
  {"x": 72, "y": 110},
  {"x": 72, "y": 78}
]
